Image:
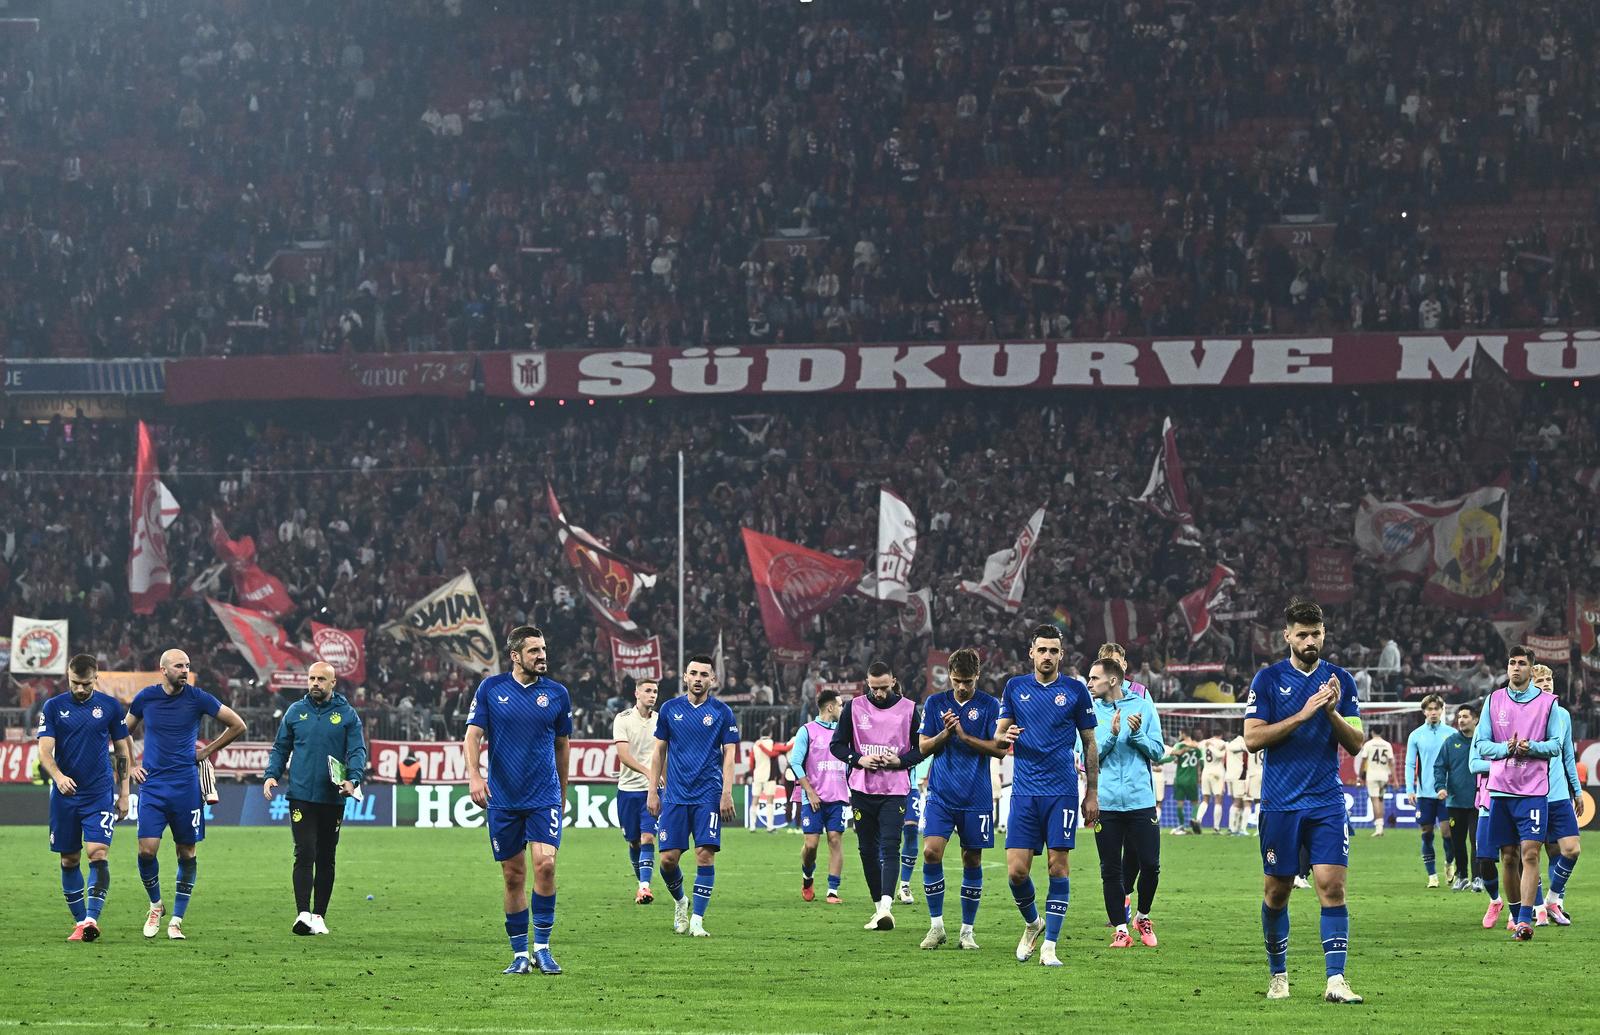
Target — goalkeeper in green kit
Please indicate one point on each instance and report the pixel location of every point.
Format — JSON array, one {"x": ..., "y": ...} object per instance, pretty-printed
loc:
[
  {"x": 323, "y": 733},
  {"x": 1186, "y": 785}
]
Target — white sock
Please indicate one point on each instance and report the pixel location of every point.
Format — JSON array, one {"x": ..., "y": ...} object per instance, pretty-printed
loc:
[
  {"x": 1380, "y": 822},
  {"x": 1122, "y": 928},
  {"x": 966, "y": 928},
  {"x": 1233, "y": 818},
  {"x": 1048, "y": 946},
  {"x": 538, "y": 948},
  {"x": 521, "y": 955},
  {"x": 937, "y": 921},
  {"x": 884, "y": 903},
  {"x": 1137, "y": 916}
]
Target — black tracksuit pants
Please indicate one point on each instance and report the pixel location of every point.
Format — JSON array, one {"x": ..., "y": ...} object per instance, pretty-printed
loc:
[
  {"x": 316, "y": 838},
  {"x": 1129, "y": 844},
  {"x": 880, "y": 818}
]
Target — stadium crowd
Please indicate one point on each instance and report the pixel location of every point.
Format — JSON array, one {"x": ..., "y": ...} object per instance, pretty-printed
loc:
[
  {"x": 189, "y": 177},
  {"x": 362, "y": 513}
]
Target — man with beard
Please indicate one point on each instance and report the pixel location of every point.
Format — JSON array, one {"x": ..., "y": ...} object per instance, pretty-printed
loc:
[
  {"x": 527, "y": 719},
  {"x": 321, "y": 726},
  {"x": 877, "y": 739},
  {"x": 1302, "y": 710}
]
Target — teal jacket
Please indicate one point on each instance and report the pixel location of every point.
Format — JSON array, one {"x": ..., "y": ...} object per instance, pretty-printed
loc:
[
  {"x": 1125, "y": 759},
  {"x": 311, "y": 733},
  {"x": 1452, "y": 771}
]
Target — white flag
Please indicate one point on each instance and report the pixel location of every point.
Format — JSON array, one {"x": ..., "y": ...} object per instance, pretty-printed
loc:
[
  {"x": 1005, "y": 571},
  {"x": 38, "y": 647},
  {"x": 897, "y": 547},
  {"x": 916, "y": 615},
  {"x": 168, "y": 503},
  {"x": 452, "y": 619}
]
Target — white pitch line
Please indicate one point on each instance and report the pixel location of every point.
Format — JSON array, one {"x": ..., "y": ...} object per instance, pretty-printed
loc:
[{"x": 390, "y": 1029}]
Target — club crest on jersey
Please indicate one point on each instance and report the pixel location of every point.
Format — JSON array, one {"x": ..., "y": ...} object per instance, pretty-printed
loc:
[
  {"x": 1272, "y": 857},
  {"x": 1061, "y": 700},
  {"x": 542, "y": 700},
  {"x": 972, "y": 713},
  {"x": 336, "y": 718},
  {"x": 98, "y": 713},
  {"x": 708, "y": 720}
]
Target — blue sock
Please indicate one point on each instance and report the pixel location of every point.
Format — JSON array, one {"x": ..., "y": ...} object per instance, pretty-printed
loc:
[
  {"x": 1560, "y": 872},
  {"x": 1491, "y": 884},
  {"x": 808, "y": 872},
  {"x": 633, "y": 857},
  {"x": 1524, "y": 914},
  {"x": 517, "y": 931},
  {"x": 1275, "y": 932},
  {"x": 184, "y": 887},
  {"x": 150, "y": 874},
  {"x": 1538, "y": 895},
  {"x": 1055, "y": 907},
  {"x": 705, "y": 878},
  {"x": 1449, "y": 851},
  {"x": 1023, "y": 893},
  {"x": 72, "y": 888},
  {"x": 971, "y": 894},
  {"x": 1427, "y": 852},
  {"x": 542, "y": 908},
  {"x": 647, "y": 862},
  {"x": 908, "y": 853},
  {"x": 674, "y": 878},
  {"x": 101, "y": 872},
  {"x": 933, "y": 888},
  {"x": 1335, "y": 937},
  {"x": 833, "y": 882}
]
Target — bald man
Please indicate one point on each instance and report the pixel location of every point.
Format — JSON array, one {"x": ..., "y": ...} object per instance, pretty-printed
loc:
[
  {"x": 321, "y": 726},
  {"x": 168, "y": 715}
]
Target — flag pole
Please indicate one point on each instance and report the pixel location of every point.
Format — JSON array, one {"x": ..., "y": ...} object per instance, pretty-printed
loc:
[{"x": 680, "y": 568}]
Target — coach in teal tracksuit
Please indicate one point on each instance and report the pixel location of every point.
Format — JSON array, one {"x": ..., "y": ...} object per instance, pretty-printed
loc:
[
  {"x": 1128, "y": 836},
  {"x": 1457, "y": 788},
  {"x": 320, "y": 726}
]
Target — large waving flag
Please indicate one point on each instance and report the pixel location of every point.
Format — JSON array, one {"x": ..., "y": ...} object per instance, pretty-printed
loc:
[
  {"x": 897, "y": 547},
  {"x": 262, "y": 641},
  {"x": 452, "y": 618},
  {"x": 794, "y": 584},
  {"x": 1456, "y": 547},
  {"x": 253, "y": 587},
  {"x": 609, "y": 581},
  {"x": 149, "y": 576},
  {"x": 1005, "y": 571},
  {"x": 1166, "y": 493},
  {"x": 1198, "y": 605}
]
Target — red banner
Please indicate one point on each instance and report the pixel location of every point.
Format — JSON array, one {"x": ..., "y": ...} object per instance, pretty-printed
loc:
[
  {"x": 794, "y": 584},
  {"x": 936, "y": 678},
  {"x": 262, "y": 642},
  {"x": 1583, "y": 623},
  {"x": 1120, "y": 620},
  {"x": 344, "y": 649},
  {"x": 17, "y": 761},
  {"x": 590, "y": 761},
  {"x": 1552, "y": 650},
  {"x": 358, "y": 376},
  {"x": 252, "y": 587},
  {"x": 636, "y": 661},
  {"x": 609, "y": 582},
  {"x": 243, "y": 758},
  {"x": 149, "y": 578},
  {"x": 1331, "y": 574},
  {"x": 1196, "y": 668}
]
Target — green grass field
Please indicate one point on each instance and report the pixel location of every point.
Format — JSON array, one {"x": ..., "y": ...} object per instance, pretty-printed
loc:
[{"x": 425, "y": 954}]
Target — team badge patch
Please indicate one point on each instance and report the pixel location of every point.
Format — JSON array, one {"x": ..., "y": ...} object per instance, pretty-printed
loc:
[
  {"x": 98, "y": 713},
  {"x": 295, "y": 816},
  {"x": 542, "y": 700},
  {"x": 1061, "y": 700},
  {"x": 336, "y": 718},
  {"x": 1272, "y": 857},
  {"x": 706, "y": 721},
  {"x": 972, "y": 713}
]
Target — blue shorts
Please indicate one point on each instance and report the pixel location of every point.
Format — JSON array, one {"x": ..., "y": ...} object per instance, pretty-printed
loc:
[
  {"x": 635, "y": 819},
  {"x": 830, "y": 817},
  {"x": 1324, "y": 831},
  {"x": 1431, "y": 811},
  {"x": 1563, "y": 821},
  {"x": 512, "y": 830},
  {"x": 1482, "y": 847},
  {"x": 81, "y": 819},
  {"x": 976, "y": 825},
  {"x": 914, "y": 803},
  {"x": 677, "y": 822},
  {"x": 1040, "y": 821},
  {"x": 181, "y": 808},
  {"x": 1512, "y": 820}
]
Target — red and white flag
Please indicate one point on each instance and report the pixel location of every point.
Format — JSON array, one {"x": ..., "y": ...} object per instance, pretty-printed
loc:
[
  {"x": 262, "y": 642},
  {"x": 609, "y": 582},
  {"x": 897, "y": 547},
  {"x": 1198, "y": 606},
  {"x": 637, "y": 661},
  {"x": 916, "y": 614},
  {"x": 1119, "y": 620},
  {"x": 1166, "y": 493},
  {"x": 344, "y": 649},
  {"x": 1005, "y": 572},
  {"x": 1456, "y": 547},
  {"x": 252, "y": 587},
  {"x": 794, "y": 584},
  {"x": 149, "y": 577}
]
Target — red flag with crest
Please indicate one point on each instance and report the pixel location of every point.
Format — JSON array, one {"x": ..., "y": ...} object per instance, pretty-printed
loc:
[
  {"x": 149, "y": 577},
  {"x": 253, "y": 588},
  {"x": 609, "y": 582},
  {"x": 794, "y": 584},
  {"x": 262, "y": 642},
  {"x": 344, "y": 649}
]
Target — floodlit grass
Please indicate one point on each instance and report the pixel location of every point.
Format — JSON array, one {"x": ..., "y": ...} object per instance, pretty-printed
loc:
[{"x": 425, "y": 954}]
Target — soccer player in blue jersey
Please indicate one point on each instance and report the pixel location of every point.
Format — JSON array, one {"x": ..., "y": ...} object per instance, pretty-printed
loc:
[
  {"x": 1041, "y": 715},
  {"x": 1302, "y": 710},
  {"x": 958, "y": 734},
  {"x": 698, "y": 737},
  {"x": 527, "y": 719},
  {"x": 85, "y": 799},
  {"x": 169, "y": 714}
]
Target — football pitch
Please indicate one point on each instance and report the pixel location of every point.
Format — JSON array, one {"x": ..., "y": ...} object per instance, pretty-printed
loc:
[{"x": 424, "y": 955}]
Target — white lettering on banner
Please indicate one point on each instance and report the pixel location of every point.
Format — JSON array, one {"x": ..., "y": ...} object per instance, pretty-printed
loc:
[
  {"x": 591, "y": 761},
  {"x": 615, "y": 373},
  {"x": 1547, "y": 357},
  {"x": 242, "y": 759},
  {"x": 17, "y": 759},
  {"x": 804, "y": 370},
  {"x": 886, "y": 368},
  {"x": 1216, "y": 356},
  {"x": 1077, "y": 363},
  {"x": 696, "y": 374},
  {"x": 433, "y": 806},
  {"x": 590, "y": 811},
  {"x": 1290, "y": 361},
  {"x": 980, "y": 365},
  {"x": 1431, "y": 358}
]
